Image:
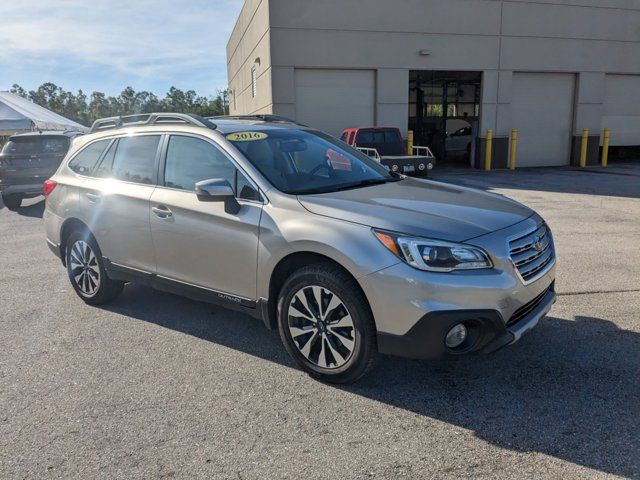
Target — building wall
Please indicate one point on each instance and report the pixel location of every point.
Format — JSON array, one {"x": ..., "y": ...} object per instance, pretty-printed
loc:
[
  {"x": 249, "y": 47},
  {"x": 595, "y": 41}
]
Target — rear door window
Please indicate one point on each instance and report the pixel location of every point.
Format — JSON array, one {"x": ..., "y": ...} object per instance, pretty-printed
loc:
[
  {"x": 135, "y": 159},
  {"x": 86, "y": 159}
]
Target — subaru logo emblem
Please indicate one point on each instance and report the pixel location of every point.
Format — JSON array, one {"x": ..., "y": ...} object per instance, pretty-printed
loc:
[{"x": 537, "y": 243}]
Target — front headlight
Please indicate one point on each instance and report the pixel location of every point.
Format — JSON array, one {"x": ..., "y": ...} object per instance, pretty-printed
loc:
[{"x": 433, "y": 255}]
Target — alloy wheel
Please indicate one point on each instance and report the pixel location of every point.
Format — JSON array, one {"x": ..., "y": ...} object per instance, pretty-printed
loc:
[
  {"x": 321, "y": 327},
  {"x": 84, "y": 268}
]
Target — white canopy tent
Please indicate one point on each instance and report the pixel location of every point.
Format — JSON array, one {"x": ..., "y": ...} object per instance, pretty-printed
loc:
[{"x": 18, "y": 114}]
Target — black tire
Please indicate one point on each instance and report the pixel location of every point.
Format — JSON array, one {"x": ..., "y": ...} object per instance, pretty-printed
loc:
[
  {"x": 422, "y": 173},
  {"x": 106, "y": 289},
  {"x": 333, "y": 281},
  {"x": 12, "y": 202}
]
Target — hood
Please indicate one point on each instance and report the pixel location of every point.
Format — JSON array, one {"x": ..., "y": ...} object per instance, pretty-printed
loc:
[{"x": 422, "y": 208}]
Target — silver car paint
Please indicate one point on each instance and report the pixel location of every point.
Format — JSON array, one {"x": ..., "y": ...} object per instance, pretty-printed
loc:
[
  {"x": 337, "y": 226},
  {"x": 422, "y": 208},
  {"x": 118, "y": 215},
  {"x": 416, "y": 292},
  {"x": 202, "y": 244}
]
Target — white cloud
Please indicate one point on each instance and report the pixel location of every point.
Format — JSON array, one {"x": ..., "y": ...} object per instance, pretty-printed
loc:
[{"x": 135, "y": 39}]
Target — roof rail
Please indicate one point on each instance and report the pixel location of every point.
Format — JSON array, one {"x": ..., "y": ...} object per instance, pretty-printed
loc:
[
  {"x": 263, "y": 117},
  {"x": 111, "y": 123}
]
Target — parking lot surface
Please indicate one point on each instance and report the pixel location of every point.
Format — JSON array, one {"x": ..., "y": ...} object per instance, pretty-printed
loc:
[{"x": 156, "y": 386}]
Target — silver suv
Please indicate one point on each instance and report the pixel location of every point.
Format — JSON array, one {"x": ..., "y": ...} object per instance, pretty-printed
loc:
[{"x": 302, "y": 231}]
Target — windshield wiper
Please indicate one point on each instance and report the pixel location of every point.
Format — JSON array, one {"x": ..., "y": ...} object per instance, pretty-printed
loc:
[{"x": 362, "y": 183}]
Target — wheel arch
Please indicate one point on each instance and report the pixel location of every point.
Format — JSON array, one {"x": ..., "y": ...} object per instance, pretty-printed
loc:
[
  {"x": 69, "y": 226},
  {"x": 285, "y": 267}
]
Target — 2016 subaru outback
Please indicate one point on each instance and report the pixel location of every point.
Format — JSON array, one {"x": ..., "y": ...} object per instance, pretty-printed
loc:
[{"x": 300, "y": 230}]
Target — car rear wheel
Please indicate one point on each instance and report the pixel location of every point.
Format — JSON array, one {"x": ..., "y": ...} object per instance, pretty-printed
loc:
[
  {"x": 326, "y": 324},
  {"x": 12, "y": 202},
  {"x": 86, "y": 271}
]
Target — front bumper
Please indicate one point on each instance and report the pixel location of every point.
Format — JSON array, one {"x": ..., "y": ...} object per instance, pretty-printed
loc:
[
  {"x": 409, "y": 164},
  {"x": 488, "y": 331},
  {"x": 415, "y": 309}
]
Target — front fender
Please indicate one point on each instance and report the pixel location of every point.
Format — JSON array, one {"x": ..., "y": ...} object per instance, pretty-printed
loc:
[{"x": 351, "y": 245}]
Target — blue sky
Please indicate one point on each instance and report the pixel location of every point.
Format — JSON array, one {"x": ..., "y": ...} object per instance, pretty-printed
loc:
[{"x": 106, "y": 45}]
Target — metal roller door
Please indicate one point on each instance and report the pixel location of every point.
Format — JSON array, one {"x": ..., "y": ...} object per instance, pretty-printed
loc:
[
  {"x": 332, "y": 100},
  {"x": 542, "y": 106},
  {"x": 622, "y": 109}
]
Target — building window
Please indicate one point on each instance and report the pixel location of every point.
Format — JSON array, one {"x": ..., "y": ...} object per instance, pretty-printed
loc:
[{"x": 254, "y": 82}]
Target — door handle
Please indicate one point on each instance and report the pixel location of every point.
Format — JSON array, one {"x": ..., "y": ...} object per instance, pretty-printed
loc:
[
  {"x": 92, "y": 197},
  {"x": 162, "y": 211}
]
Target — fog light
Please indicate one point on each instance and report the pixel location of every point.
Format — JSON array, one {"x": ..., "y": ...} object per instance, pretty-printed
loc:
[
  {"x": 430, "y": 166},
  {"x": 394, "y": 168},
  {"x": 421, "y": 166},
  {"x": 456, "y": 336}
]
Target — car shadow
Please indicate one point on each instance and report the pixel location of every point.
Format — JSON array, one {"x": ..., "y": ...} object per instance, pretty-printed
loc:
[
  {"x": 570, "y": 389},
  {"x": 33, "y": 208}
]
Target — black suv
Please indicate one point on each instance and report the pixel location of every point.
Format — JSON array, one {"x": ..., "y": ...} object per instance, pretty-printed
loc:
[{"x": 27, "y": 160}]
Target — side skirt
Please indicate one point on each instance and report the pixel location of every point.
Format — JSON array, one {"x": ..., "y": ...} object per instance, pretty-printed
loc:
[{"x": 195, "y": 292}]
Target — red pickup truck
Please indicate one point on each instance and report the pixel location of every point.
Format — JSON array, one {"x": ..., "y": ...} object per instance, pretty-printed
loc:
[{"x": 386, "y": 145}]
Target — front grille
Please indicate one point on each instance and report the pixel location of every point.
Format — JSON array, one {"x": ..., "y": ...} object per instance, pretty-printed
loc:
[
  {"x": 532, "y": 253},
  {"x": 527, "y": 308}
]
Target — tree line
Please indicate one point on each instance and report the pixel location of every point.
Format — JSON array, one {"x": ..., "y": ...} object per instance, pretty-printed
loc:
[{"x": 85, "y": 109}]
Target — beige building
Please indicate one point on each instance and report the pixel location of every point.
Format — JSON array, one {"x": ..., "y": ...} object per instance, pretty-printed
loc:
[{"x": 448, "y": 70}]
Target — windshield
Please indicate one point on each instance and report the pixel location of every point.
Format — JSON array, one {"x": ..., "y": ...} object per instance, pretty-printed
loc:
[
  {"x": 302, "y": 162},
  {"x": 33, "y": 145}
]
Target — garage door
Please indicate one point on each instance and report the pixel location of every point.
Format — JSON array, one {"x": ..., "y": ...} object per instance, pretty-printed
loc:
[
  {"x": 543, "y": 114},
  {"x": 622, "y": 109},
  {"x": 332, "y": 100}
]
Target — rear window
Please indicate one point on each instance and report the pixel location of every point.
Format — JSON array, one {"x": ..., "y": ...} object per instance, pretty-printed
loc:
[
  {"x": 378, "y": 137},
  {"x": 40, "y": 145},
  {"x": 391, "y": 136}
]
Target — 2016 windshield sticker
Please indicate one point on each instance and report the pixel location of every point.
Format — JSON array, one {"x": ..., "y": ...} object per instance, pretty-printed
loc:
[{"x": 246, "y": 136}]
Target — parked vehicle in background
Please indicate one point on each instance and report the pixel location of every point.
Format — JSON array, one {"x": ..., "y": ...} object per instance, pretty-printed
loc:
[
  {"x": 287, "y": 224},
  {"x": 27, "y": 160},
  {"x": 386, "y": 145},
  {"x": 458, "y": 137}
]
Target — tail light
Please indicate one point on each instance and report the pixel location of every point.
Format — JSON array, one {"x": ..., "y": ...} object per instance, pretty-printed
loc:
[{"x": 49, "y": 186}]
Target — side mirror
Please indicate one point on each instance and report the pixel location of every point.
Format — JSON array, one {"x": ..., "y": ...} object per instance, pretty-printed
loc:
[{"x": 218, "y": 190}]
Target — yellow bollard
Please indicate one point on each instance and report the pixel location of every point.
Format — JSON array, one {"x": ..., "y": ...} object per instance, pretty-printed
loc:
[
  {"x": 583, "y": 147},
  {"x": 410, "y": 142},
  {"x": 512, "y": 149},
  {"x": 487, "y": 153},
  {"x": 605, "y": 146}
]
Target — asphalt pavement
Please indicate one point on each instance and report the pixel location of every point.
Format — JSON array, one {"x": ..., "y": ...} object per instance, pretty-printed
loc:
[{"x": 158, "y": 386}]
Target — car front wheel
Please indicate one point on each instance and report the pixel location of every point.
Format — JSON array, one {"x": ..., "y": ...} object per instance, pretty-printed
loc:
[
  {"x": 86, "y": 270},
  {"x": 326, "y": 324}
]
